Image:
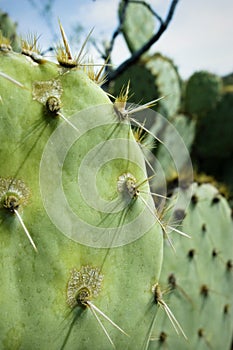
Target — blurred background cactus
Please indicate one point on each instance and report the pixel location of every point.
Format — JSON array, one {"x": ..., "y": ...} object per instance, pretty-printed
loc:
[
  {"x": 200, "y": 107},
  {"x": 196, "y": 281},
  {"x": 9, "y": 30}
]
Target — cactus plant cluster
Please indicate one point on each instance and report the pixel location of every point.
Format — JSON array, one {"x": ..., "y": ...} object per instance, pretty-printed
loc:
[
  {"x": 204, "y": 101},
  {"x": 91, "y": 257}
]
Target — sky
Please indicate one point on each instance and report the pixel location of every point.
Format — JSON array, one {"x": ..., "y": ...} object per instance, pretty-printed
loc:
[{"x": 200, "y": 36}]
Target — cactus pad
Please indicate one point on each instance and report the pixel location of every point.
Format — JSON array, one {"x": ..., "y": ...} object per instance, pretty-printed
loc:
[
  {"x": 216, "y": 126},
  {"x": 138, "y": 25},
  {"x": 198, "y": 279},
  {"x": 97, "y": 247},
  {"x": 203, "y": 91}
]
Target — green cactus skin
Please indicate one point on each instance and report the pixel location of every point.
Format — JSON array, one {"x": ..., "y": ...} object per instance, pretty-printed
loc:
[
  {"x": 154, "y": 76},
  {"x": 36, "y": 289},
  {"x": 198, "y": 278},
  {"x": 138, "y": 26},
  {"x": 202, "y": 93}
]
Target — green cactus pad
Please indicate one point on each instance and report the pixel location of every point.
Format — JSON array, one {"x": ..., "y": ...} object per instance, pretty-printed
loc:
[
  {"x": 216, "y": 126},
  {"x": 213, "y": 146},
  {"x": 198, "y": 278},
  {"x": 202, "y": 93},
  {"x": 59, "y": 127},
  {"x": 168, "y": 82},
  {"x": 138, "y": 25}
]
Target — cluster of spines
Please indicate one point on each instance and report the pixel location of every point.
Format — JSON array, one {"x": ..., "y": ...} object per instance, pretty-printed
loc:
[
  {"x": 87, "y": 278},
  {"x": 14, "y": 194}
]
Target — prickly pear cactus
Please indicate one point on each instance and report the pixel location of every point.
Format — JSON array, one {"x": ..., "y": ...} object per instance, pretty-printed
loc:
[
  {"x": 202, "y": 93},
  {"x": 216, "y": 124},
  {"x": 80, "y": 245},
  {"x": 197, "y": 280},
  {"x": 138, "y": 24}
]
